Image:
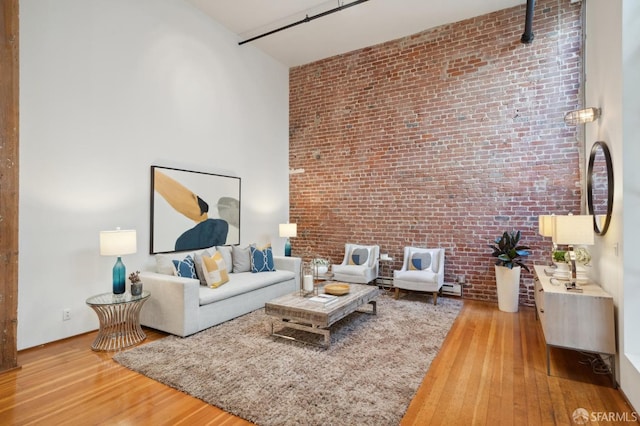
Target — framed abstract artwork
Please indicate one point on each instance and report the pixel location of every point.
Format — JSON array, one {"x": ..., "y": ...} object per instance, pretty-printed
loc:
[{"x": 193, "y": 210}]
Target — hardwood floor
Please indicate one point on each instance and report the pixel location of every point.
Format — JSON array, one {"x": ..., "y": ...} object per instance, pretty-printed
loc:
[{"x": 491, "y": 370}]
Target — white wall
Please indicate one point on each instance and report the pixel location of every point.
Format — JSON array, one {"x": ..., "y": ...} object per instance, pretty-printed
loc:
[
  {"x": 109, "y": 88},
  {"x": 612, "y": 64}
]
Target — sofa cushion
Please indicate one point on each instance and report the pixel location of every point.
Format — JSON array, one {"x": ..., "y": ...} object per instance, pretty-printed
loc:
[
  {"x": 164, "y": 262},
  {"x": 416, "y": 276},
  {"x": 197, "y": 260},
  {"x": 358, "y": 256},
  {"x": 262, "y": 259},
  {"x": 420, "y": 261},
  {"x": 241, "y": 259},
  {"x": 226, "y": 253},
  {"x": 214, "y": 270},
  {"x": 243, "y": 282},
  {"x": 352, "y": 270},
  {"x": 423, "y": 259},
  {"x": 185, "y": 267}
]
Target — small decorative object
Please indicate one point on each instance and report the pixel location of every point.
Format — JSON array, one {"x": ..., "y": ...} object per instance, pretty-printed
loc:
[
  {"x": 337, "y": 289},
  {"x": 136, "y": 284},
  {"x": 562, "y": 261},
  {"x": 308, "y": 285},
  {"x": 582, "y": 256},
  {"x": 508, "y": 265},
  {"x": 320, "y": 266}
]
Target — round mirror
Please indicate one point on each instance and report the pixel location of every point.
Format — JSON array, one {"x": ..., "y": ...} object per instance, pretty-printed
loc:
[{"x": 600, "y": 187}]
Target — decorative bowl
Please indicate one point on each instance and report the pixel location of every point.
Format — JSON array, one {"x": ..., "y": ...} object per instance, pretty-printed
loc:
[{"x": 337, "y": 289}]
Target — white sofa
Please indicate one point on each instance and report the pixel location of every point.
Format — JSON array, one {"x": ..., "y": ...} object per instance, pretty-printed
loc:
[{"x": 182, "y": 306}]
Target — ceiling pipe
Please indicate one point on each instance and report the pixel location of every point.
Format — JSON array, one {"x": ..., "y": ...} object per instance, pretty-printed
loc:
[
  {"x": 302, "y": 21},
  {"x": 527, "y": 36}
]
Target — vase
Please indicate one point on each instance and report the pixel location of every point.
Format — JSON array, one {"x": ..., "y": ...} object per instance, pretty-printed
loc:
[
  {"x": 136, "y": 289},
  {"x": 119, "y": 273},
  {"x": 508, "y": 286}
]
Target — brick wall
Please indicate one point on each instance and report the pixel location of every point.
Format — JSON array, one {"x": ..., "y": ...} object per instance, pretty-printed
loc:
[{"x": 445, "y": 138}]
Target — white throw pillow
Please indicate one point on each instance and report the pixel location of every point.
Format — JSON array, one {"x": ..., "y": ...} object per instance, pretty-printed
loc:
[
  {"x": 227, "y": 255},
  {"x": 241, "y": 259},
  {"x": 164, "y": 262}
]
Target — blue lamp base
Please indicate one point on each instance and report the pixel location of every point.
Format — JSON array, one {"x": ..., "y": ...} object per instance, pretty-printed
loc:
[
  {"x": 287, "y": 248},
  {"x": 119, "y": 272}
]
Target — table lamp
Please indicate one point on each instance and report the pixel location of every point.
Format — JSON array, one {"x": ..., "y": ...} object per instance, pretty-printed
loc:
[
  {"x": 118, "y": 243},
  {"x": 545, "y": 228},
  {"x": 288, "y": 230},
  {"x": 573, "y": 230}
]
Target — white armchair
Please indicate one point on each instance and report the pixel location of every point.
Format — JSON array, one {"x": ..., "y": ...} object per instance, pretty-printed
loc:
[
  {"x": 422, "y": 270},
  {"x": 360, "y": 264}
]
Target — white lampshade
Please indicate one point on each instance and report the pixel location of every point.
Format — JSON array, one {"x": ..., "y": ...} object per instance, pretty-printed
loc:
[
  {"x": 545, "y": 225},
  {"x": 118, "y": 242},
  {"x": 288, "y": 230},
  {"x": 573, "y": 229}
]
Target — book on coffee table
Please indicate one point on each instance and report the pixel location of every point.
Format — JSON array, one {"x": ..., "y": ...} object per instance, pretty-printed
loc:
[{"x": 324, "y": 298}]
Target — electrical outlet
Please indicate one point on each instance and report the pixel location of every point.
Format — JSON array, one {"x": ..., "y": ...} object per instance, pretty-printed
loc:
[
  {"x": 461, "y": 279},
  {"x": 66, "y": 314}
]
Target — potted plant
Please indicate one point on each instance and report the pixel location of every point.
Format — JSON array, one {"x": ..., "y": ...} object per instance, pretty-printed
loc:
[
  {"x": 562, "y": 260},
  {"x": 509, "y": 256},
  {"x": 136, "y": 283},
  {"x": 320, "y": 266}
]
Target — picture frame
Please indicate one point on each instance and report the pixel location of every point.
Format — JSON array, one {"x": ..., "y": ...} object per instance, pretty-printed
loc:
[{"x": 192, "y": 210}]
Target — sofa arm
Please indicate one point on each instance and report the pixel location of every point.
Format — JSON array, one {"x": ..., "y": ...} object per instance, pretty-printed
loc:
[
  {"x": 173, "y": 305},
  {"x": 288, "y": 263}
]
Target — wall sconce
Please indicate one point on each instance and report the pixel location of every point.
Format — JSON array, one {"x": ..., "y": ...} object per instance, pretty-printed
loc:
[{"x": 581, "y": 116}]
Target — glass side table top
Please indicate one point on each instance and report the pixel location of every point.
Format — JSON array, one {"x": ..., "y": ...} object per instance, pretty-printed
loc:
[{"x": 115, "y": 299}]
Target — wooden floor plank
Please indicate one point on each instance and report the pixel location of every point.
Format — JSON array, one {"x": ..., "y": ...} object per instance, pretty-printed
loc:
[{"x": 491, "y": 369}]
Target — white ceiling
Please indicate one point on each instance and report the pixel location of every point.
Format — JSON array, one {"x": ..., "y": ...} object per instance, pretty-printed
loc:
[{"x": 355, "y": 27}]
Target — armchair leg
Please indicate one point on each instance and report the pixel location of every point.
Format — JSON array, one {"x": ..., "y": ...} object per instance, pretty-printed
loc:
[
  {"x": 435, "y": 297},
  {"x": 397, "y": 293}
]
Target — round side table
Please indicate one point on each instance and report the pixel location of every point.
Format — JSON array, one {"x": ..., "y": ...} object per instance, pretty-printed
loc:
[{"x": 119, "y": 316}]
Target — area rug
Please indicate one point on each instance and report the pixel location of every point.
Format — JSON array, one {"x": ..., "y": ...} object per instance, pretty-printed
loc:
[{"x": 367, "y": 376}]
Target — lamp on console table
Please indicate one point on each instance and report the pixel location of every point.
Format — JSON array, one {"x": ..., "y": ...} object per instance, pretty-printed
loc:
[
  {"x": 118, "y": 243},
  {"x": 545, "y": 228},
  {"x": 573, "y": 230},
  {"x": 288, "y": 230}
]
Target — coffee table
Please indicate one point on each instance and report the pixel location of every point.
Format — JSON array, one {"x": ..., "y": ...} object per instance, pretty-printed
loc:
[{"x": 300, "y": 313}]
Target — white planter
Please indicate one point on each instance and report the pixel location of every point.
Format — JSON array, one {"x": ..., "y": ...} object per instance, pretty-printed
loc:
[
  {"x": 321, "y": 270},
  {"x": 508, "y": 285},
  {"x": 562, "y": 270}
]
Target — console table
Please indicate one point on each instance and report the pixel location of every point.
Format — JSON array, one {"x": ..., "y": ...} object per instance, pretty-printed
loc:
[
  {"x": 581, "y": 321},
  {"x": 119, "y": 316},
  {"x": 385, "y": 274}
]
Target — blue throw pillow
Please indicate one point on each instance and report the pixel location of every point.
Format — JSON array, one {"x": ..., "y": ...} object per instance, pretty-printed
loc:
[
  {"x": 420, "y": 261},
  {"x": 262, "y": 260},
  {"x": 185, "y": 267}
]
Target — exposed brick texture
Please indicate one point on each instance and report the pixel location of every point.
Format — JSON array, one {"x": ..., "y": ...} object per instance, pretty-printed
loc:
[{"x": 445, "y": 138}]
